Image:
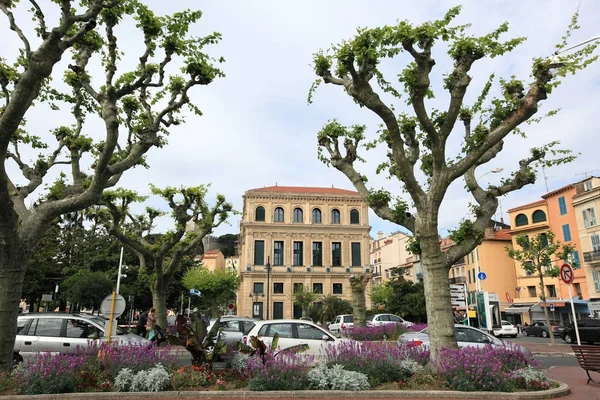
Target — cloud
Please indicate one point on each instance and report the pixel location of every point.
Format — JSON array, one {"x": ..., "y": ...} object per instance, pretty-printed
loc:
[{"x": 257, "y": 128}]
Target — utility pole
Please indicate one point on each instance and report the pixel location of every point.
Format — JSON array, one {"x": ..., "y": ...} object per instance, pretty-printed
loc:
[{"x": 268, "y": 283}]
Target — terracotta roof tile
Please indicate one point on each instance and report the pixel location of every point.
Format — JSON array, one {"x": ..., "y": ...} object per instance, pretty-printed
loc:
[
  {"x": 535, "y": 203},
  {"x": 503, "y": 234},
  {"x": 302, "y": 189}
]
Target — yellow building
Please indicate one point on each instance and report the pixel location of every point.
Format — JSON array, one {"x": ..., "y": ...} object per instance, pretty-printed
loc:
[
  {"x": 213, "y": 260},
  {"x": 389, "y": 252},
  {"x": 585, "y": 202},
  {"x": 310, "y": 236}
]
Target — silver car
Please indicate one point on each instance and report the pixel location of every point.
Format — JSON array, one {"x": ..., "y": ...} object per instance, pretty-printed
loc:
[
  {"x": 65, "y": 333},
  {"x": 234, "y": 328},
  {"x": 466, "y": 336}
]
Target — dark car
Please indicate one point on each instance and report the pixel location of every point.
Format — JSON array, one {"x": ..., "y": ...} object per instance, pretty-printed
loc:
[
  {"x": 540, "y": 328},
  {"x": 589, "y": 331}
]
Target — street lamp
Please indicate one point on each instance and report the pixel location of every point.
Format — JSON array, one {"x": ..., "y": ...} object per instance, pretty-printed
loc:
[{"x": 556, "y": 53}]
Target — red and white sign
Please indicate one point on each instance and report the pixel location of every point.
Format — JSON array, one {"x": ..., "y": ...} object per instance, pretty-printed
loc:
[
  {"x": 508, "y": 298},
  {"x": 566, "y": 273}
]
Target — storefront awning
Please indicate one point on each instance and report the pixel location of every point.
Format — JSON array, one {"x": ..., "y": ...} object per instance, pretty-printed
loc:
[
  {"x": 518, "y": 308},
  {"x": 555, "y": 303}
]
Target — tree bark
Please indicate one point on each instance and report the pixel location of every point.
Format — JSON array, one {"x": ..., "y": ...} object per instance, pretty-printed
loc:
[
  {"x": 358, "y": 284},
  {"x": 543, "y": 298},
  {"x": 159, "y": 298},
  {"x": 12, "y": 275},
  {"x": 437, "y": 292}
]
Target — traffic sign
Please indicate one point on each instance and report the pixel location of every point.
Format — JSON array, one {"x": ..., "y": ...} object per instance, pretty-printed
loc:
[
  {"x": 481, "y": 276},
  {"x": 231, "y": 306},
  {"x": 552, "y": 307},
  {"x": 119, "y": 306},
  {"x": 195, "y": 292},
  {"x": 566, "y": 273}
]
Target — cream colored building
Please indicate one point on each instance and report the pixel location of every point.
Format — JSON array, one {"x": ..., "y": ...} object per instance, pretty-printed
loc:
[
  {"x": 586, "y": 203},
  {"x": 388, "y": 252},
  {"x": 315, "y": 237}
]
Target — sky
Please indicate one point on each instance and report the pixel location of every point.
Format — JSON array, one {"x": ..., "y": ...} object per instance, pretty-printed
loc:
[{"x": 258, "y": 130}]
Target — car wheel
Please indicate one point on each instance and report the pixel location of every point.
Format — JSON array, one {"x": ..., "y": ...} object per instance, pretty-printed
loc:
[
  {"x": 568, "y": 338},
  {"x": 513, "y": 336},
  {"x": 544, "y": 334}
]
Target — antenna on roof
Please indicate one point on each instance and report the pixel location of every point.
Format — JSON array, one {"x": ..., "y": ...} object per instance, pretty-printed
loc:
[
  {"x": 275, "y": 184},
  {"x": 587, "y": 172},
  {"x": 546, "y": 178},
  {"x": 332, "y": 186}
]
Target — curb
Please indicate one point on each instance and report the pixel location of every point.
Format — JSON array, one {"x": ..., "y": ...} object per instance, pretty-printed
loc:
[
  {"x": 562, "y": 390},
  {"x": 552, "y": 354}
]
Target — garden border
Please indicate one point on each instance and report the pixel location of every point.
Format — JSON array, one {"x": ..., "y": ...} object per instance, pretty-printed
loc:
[{"x": 562, "y": 390}]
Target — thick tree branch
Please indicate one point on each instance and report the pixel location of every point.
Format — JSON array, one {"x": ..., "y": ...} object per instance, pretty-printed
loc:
[{"x": 13, "y": 26}]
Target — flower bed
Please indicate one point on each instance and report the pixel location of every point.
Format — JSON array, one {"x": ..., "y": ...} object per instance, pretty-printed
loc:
[
  {"x": 351, "y": 366},
  {"x": 382, "y": 332}
]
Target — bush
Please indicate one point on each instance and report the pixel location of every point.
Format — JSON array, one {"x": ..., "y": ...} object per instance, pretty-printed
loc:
[
  {"x": 483, "y": 369},
  {"x": 190, "y": 377},
  {"x": 284, "y": 371},
  {"x": 379, "y": 332},
  {"x": 48, "y": 374},
  {"x": 336, "y": 378},
  {"x": 530, "y": 378},
  {"x": 381, "y": 362},
  {"x": 239, "y": 362},
  {"x": 7, "y": 383},
  {"x": 154, "y": 379}
]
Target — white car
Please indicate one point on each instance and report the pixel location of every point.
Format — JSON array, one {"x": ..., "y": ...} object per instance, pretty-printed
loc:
[
  {"x": 293, "y": 332},
  {"x": 341, "y": 324},
  {"x": 507, "y": 329},
  {"x": 466, "y": 336},
  {"x": 384, "y": 319}
]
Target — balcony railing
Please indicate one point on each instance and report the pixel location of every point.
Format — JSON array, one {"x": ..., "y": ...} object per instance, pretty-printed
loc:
[
  {"x": 591, "y": 256},
  {"x": 457, "y": 280}
]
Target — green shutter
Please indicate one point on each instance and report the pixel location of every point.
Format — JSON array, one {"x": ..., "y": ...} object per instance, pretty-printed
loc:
[
  {"x": 356, "y": 254},
  {"x": 259, "y": 252}
]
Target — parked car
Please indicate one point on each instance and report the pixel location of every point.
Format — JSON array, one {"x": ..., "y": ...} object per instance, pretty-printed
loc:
[
  {"x": 466, "y": 336},
  {"x": 507, "y": 329},
  {"x": 294, "y": 332},
  {"x": 65, "y": 333},
  {"x": 341, "y": 324},
  {"x": 384, "y": 319},
  {"x": 233, "y": 328},
  {"x": 540, "y": 328},
  {"x": 589, "y": 331}
]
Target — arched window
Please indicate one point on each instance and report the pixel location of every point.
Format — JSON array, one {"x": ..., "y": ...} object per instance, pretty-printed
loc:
[
  {"x": 335, "y": 216},
  {"x": 278, "y": 217},
  {"x": 298, "y": 215},
  {"x": 521, "y": 220},
  {"x": 316, "y": 216},
  {"x": 259, "y": 215},
  {"x": 354, "y": 217},
  {"x": 538, "y": 216}
]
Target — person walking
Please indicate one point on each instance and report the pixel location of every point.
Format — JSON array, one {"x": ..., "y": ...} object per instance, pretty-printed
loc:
[
  {"x": 151, "y": 324},
  {"x": 141, "y": 324}
]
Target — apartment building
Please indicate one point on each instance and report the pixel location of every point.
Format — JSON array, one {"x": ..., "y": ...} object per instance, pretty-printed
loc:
[
  {"x": 292, "y": 237},
  {"x": 585, "y": 203},
  {"x": 389, "y": 252}
]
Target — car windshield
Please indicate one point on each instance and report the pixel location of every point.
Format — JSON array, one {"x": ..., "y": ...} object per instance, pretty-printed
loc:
[
  {"x": 102, "y": 323},
  {"x": 248, "y": 327},
  {"x": 348, "y": 318}
]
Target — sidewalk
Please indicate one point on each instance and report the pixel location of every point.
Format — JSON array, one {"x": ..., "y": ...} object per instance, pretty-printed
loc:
[{"x": 576, "y": 378}]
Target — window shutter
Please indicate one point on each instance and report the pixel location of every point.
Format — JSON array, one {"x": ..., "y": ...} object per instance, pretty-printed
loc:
[
  {"x": 259, "y": 252},
  {"x": 566, "y": 232},
  {"x": 562, "y": 205},
  {"x": 586, "y": 222}
]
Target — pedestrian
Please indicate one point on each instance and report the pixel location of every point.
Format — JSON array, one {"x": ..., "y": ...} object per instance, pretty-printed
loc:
[
  {"x": 141, "y": 324},
  {"x": 151, "y": 320}
]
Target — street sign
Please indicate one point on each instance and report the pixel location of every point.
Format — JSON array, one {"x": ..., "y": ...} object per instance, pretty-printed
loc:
[
  {"x": 231, "y": 306},
  {"x": 481, "y": 276},
  {"x": 566, "y": 273},
  {"x": 119, "y": 306},
  {"x": 195, "y": 292},
  {"x": 46, "y": 297},
  {"x": 552, "y": 307},
  {"x": 457, "y": 296}
]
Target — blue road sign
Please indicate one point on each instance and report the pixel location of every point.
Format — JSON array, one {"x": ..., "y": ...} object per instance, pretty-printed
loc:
[
  {"x": 195, "y": 292},
  {"x": 481, "y": 276},
  {"x": 551, "y": 307}
]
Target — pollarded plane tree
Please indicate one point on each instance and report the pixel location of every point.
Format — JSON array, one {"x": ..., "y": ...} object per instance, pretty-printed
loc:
[
  {"x": 422, "y": 139},
  {"x": 161, "y": 254},
  {"x": 118, "y": 115}
]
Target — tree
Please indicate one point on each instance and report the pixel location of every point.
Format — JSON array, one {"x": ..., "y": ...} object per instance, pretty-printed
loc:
[
  {"x": 422, "y": 139},
  {"x": 304, "y": 297},
  {"x": 161, "y": 255},
  {"x": 87, "y": 289},
  {"x": 333, "y": 306},
  {"x": 536, "y": 256},
  {"x": 228, "y": 244},
  {"x": 216, "y": 288},
  {"x": 407, "y": 299},
  {"x": 380, "y": 294},
  {"x": 358, "y": 285},
  {"x": 134, "y": 109}
]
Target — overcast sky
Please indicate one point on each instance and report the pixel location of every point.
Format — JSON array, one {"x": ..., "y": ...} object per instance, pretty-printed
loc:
[{"x": 258, "y": 130}]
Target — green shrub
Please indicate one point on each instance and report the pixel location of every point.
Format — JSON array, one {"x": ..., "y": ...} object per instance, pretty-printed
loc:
[{"x": 337, "y": 378}]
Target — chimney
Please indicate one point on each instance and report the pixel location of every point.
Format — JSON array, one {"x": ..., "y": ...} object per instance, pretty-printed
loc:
[{"x": 379, "y": 235}]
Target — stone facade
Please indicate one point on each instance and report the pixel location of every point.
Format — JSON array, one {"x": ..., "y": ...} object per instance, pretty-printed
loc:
[{"x": 317, "y": 237}]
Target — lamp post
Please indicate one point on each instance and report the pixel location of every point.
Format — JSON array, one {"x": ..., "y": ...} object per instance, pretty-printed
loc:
[
  {"x": 268, "y": 267},
  {"x": 556, "y": 53}
]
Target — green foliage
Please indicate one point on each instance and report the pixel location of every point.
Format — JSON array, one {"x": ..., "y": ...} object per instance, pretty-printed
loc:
[
  {"x": 228, "y": 244},
  {"x": 87, "y": 289},
  {"x": 331, "y": 306},
  {"x": 401, "y": 297},
  {"x": 217, "y": 287},
  {"x": 380, "y": 294},
  {"x": 304, "y": 297},
  {"x": 465, "y": 231},
  {"x": 538, "y": 252}
]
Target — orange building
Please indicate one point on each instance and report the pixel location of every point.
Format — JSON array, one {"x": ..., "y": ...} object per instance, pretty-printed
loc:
[
  {"x": 563, "y": 222},
  {"x": 213, "y": 260}
]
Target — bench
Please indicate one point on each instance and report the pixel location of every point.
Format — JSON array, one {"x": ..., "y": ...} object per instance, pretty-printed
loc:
[{"x": 588, "y": 358}]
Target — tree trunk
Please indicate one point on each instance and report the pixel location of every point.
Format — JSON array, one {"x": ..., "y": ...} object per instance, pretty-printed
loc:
[
  {"x": 159, "y": 300},
  {"x": 543, "y": 298},
  {"x": 437, "y": 294},
  {"x": 12, "y": 275},
  {"x": 358, "y": 284}
]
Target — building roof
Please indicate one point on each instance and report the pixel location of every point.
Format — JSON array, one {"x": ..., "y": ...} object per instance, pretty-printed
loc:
[
  {"x": 503, "y": 234},
  {"x": 535, "y": 203},
  {"x": 557, "y": 191},
  {"x": 302, "y": 189}
]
